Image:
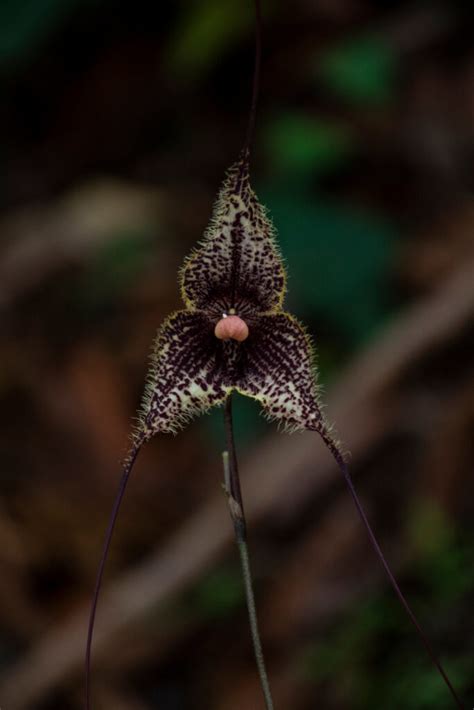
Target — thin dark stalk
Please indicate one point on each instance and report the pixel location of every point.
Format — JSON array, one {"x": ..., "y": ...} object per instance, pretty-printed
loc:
[
  {"x": 245, "y": 155},
  {"x": 256, "y": 77},
  {"x": 233, "y": 482},
  {"x": 234, "y": 497},
  {"x": 401, "y": 597},
  {"x": 127, "y": 469}
]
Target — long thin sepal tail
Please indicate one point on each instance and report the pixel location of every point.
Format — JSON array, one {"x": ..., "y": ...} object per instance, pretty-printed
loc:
[
  {"x": 127, "y": 470},
  {"x": 401, "y": 597}
]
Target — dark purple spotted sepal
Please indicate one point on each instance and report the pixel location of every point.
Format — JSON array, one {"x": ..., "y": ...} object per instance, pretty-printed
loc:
[
  {"x": 238, "y": 259},
  {"x": 280, "y": 373},
  {"x": 186, "y": 376}
]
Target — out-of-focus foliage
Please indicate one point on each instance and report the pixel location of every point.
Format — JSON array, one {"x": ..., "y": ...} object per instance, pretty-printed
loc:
[
  {"x": 349, "y": 292},
  {"x": 206, "y": 30},
  {"x": 217, "y": 595},
  {"x": 301, "y": 147},
  {"x": 370, "y": 653},
  {"x": 360, "y": 71},
  {"x": 113, "y": 271},
  {"x": 24, "y": 25}
]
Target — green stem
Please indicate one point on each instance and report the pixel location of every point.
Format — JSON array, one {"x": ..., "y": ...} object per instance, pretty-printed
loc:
[
  {"x": 234, "y": 498},
  {"x": 257, "y": 645}
]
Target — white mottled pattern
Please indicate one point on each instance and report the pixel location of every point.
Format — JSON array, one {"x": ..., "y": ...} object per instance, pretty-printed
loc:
[
  {"x": 280, "y": 373},
  {"x": 238, "y": 255},
  {"x": 186, "y": 377}
]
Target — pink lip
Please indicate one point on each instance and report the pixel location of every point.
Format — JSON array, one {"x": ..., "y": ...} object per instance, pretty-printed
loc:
[{"x": 231, "y": 328}]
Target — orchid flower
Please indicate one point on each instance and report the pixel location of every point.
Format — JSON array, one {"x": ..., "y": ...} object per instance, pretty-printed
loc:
[{"x": 233, "y": 335}]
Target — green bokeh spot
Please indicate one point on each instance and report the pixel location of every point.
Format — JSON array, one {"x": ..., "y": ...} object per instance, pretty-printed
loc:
[
  {"x": 114, "y": 268},
  {"x": 23, "y": 25},
  {"x": 204, "y": 31},
  {"x": 360, "y": 71},
  {"x": 218, "y": 594},
  {"x": 249, "y": 424},
  {"x": 339, "y": 261},
  {"x": 296, "y": 143},
  {"x": 444, "y": 558}
]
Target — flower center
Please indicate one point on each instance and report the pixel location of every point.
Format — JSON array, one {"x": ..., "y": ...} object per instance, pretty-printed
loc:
[{"x": 231, "y": 327}]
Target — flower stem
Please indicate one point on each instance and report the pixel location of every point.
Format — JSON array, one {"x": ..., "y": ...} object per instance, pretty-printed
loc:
[
  {"x": 234, "y": 498},
  {"x": 256, "y": 77}
]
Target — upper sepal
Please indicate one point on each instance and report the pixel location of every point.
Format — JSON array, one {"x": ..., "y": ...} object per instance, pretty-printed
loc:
[{"x": 238, "y": 259}]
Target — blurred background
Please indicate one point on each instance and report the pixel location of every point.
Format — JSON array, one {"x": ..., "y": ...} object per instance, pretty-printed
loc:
[{"x": 117, "y": 123}]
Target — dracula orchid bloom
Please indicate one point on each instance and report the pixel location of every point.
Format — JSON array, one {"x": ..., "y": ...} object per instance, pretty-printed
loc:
[{"x": 233, "y": 334}]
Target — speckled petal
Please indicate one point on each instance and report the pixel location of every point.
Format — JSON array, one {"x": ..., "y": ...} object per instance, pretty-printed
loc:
[
  {"x": 280, "y": 373},
  {"x": 238, "y": 260},
  {"x": 186, "y": 374}
]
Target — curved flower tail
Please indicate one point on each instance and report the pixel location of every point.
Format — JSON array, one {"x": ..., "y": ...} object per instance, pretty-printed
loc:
[
  {"x": 339, "y": 458},
  {"x": 186, "y": 376},
  {"x": 238, "y": 254},
  {"x": 127, "y": 470}
]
